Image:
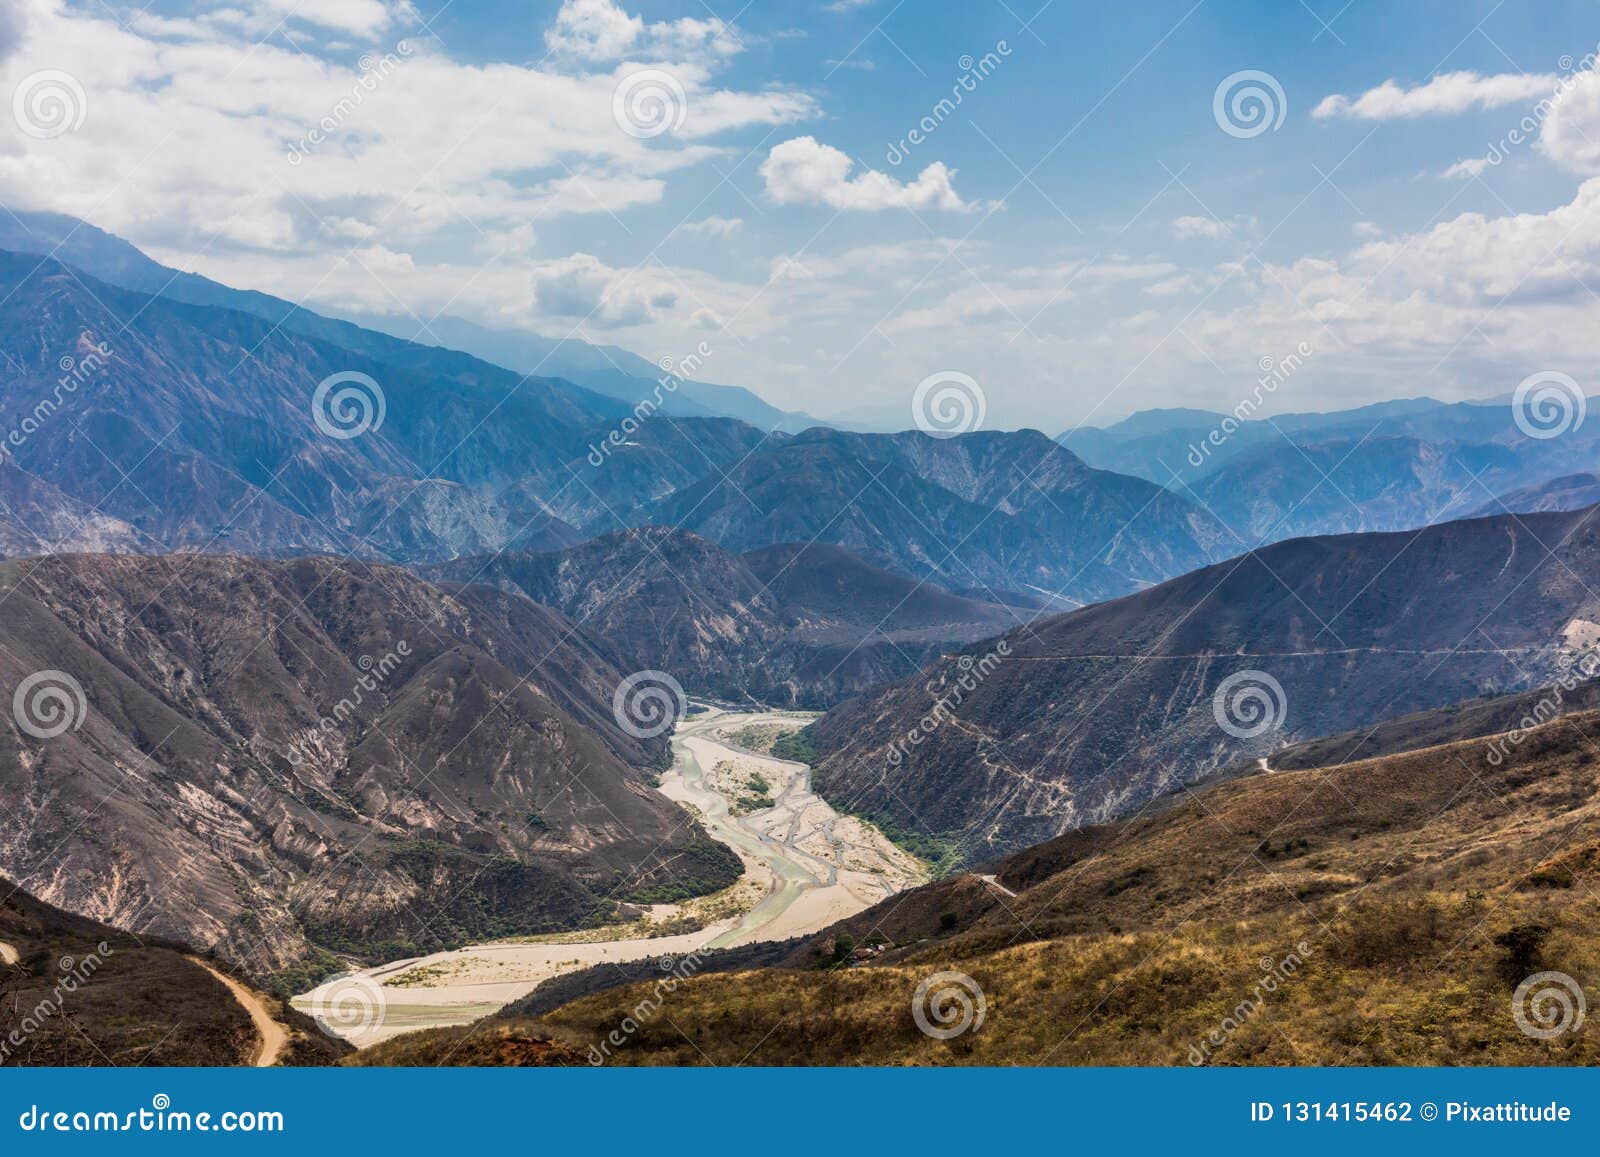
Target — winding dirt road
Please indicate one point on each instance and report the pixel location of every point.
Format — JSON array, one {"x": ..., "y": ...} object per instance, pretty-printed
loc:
[{"x": 274, "y": 1038}]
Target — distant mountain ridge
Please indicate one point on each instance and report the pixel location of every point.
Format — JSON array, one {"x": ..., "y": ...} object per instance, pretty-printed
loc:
[{"x": 607, "y": 370}]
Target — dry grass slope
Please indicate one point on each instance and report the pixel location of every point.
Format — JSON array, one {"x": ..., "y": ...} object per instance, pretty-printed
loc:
[{"x": 1395, "y": 904}]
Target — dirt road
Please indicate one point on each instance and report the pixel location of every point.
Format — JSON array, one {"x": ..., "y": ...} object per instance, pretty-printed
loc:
[{"x": 274, "y": 1038}]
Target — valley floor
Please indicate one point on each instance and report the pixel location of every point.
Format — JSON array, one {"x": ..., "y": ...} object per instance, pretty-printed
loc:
[{"x": 806, "y": 867}]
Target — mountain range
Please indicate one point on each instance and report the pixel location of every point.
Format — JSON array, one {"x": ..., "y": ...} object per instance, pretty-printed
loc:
[{"x": 1087, "y": 716}]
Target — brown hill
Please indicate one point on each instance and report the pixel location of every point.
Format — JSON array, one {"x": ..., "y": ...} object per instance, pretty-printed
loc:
[
  {"x": 792, "y": 625},
  {"x": 1091, "y": 714},
  {"x": 75, "y": 992},
  {"x": 1381, "y": 912},
  {"x": 271, "y": 759}
]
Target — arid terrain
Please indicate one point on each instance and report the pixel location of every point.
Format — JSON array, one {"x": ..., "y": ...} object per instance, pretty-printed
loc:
[{"x": 806, "y": 867}]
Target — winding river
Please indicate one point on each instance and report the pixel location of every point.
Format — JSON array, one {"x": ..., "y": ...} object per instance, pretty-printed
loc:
[{"x": 806, "y": 867}]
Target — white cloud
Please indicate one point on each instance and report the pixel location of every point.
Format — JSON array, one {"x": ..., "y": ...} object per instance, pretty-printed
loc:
[
  {"x": 1570, "y": 132},
  {"x": 1172, "y": 286},
  {"x": 582, "y": 286},
  {"x": 188, "y": 126},
  {"x": 1465, "y": 170},
  {"x": 1208, "y": 228},
  {"x": 712, "y": 227},
  {"x": 803, "y": 171},
  {"x": 1450, "y": 92},
  {"x": 599, "y": 30}
]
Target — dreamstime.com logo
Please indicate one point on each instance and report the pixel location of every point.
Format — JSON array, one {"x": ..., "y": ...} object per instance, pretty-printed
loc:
[
  {"x": 49, "y": 104},
  {"x": 1548, "y": 404},
  {"x": 948, "y": 1004},
  {"x": 348, "y": 404},
  {"x": 948, "y": 403},
  {"x": 648, "y": 103},
  {"x": 647, "y": 703},
  {"x": 349, "y": 1005},
  {"x": 49, "y": 703},
  {"x": 1548, "y": 1005},
  {"x": 1249, "y": 103},
  {"x": 1274, "y": 373},
  {"x": 1248, "y": 704},
  {"x": 160, "y": 1117}
]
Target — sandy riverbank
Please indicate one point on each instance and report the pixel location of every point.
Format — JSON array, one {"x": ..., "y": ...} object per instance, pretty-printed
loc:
[{"x": 806, "y": 867}]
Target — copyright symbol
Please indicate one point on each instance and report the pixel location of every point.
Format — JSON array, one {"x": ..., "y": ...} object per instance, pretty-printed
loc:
[{"x": 1430, "y": 1111}]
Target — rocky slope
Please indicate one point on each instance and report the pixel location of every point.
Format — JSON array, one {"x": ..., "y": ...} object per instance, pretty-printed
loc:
[
  {"x": 792, "y": 625},
  {"x": 1092, "y": 714},
  {"x": 271, "y": 759}
]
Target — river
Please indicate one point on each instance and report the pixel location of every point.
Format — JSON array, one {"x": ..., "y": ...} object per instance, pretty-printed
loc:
[{"x": 806, "y": 867}]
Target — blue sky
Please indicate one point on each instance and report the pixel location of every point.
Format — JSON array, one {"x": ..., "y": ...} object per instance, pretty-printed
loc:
[{"x": 1081, "y": 236}]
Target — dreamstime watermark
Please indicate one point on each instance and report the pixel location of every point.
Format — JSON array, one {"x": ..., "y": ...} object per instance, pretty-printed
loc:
[
  {"x": 948, "y": 403},
  {"x": 348, "y": 404},
  {"x": 1274, "y": 372},
  {"x": 1574, "y": 671},
  {"x": 973, "y": 73},
  {"x": 1548, "y": 404},
  {"x": 647, "y": 703},
  {"x": 1248, "y": 704},
  {"x": 1532, "y": 123},
  {"x": 348, "y": 1005},
  {"x": 948, "y": 1004},
  {"x": 1274, "y": 973},
  {"x": 373, "y": 72},
  {"x": 48, "y": 704},
  {"x": 75, "y": 973},
  {"x": 948, "y": 695},
  {"x": 672, "y": 378},
  {"x": 649, "y": 102},
  {"x": 49, "y": 103},
  {"x": 75, "y": 371},
  {"x": 1249, "y": 103},
  {"x": 1548, "y": 1005},
  {"x": 160, "y": 1117},
  {"x": 375, "y": 673},
  {"x": 678, "y": 970}
]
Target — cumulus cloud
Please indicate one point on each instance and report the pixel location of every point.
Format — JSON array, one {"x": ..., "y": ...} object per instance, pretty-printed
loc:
[
  {"x": 1570, "y": 131},
  {"x": 1450, "y": 92},
  {"x": 804, "y": 171},
  {"x": 582, "y": 286},
  {"x": 263, "y": 164},
  {"x": 597, "y": 30}
]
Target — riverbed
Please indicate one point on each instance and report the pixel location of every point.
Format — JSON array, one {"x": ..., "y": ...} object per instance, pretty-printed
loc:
[{"x": 806, "y": 867}]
